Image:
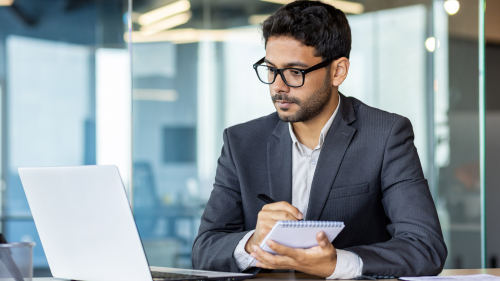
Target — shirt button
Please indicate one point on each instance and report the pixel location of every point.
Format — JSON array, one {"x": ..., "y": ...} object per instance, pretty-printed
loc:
[{"x": 313, "y": 162}]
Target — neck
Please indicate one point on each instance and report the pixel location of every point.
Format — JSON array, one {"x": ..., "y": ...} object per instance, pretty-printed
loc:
[{"x": 308, "y": 132}]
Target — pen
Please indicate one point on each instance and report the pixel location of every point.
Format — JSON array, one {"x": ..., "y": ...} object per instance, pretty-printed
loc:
[{"x": 267, "y": 199}]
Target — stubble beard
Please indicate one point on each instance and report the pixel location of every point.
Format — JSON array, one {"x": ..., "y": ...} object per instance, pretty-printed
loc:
[{"x": 308, "y": 108}]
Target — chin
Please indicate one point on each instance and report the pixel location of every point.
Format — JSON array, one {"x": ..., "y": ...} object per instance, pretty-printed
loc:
[
  {"x": 285, "y": 114},
  {"x": 285, "y": 117}
]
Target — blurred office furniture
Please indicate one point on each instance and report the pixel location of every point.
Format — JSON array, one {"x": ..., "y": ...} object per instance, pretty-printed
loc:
[{"x": 167, "y": 229}]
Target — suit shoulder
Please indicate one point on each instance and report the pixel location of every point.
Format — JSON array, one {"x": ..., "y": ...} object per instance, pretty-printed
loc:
[
  {"x": 374, "y": 117},
  {"x": 255, "y": 128}
]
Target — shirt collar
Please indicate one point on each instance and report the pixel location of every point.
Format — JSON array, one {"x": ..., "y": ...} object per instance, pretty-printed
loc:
[{"x": 322, "y": 135}]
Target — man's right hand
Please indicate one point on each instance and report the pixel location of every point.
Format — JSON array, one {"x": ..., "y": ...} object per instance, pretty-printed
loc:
[{"x": 268, "y": 216}]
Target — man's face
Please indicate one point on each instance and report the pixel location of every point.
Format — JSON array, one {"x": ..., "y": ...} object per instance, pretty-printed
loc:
[{"x": 302, "y": 103}]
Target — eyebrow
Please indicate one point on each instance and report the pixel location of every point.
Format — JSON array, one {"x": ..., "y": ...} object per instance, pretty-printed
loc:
[{"x": 290, "y": 64}]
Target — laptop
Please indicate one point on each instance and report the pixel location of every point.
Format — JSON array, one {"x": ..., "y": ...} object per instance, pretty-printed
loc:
[{"x": 87, "y": 228}]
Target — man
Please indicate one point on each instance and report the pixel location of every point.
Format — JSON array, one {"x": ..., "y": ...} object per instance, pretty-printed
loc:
[{"x": 321, "y": 156}]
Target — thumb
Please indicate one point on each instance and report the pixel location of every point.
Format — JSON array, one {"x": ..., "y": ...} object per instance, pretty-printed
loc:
[{"x": 322, "y": 240}]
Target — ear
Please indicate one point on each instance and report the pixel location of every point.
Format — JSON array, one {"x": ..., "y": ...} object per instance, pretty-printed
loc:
[{"x": 339, "y": 70}]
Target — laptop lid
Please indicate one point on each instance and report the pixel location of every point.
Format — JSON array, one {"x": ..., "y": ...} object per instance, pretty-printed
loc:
[
  {"x": 85, "y": 223},
  {"x": 87, "y": 228}
]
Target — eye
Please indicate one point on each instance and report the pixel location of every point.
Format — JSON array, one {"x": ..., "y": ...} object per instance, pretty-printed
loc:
[
  {"x": 271, "y": 69},
  {"x": 295, "y": 72}
]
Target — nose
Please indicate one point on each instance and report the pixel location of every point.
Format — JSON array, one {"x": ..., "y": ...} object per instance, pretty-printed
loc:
[{"x": 280, "y": 86}]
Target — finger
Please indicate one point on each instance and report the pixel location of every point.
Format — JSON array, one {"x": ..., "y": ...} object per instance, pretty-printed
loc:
[
  {"x": 270, "y": 217},
  {"x": 265, "y": 222},
  {"x": 275, "y": 261},
  {"x": 283, "y": 250},
  {"x": 284, "y": 206},
  {"x": 274, "y": 264},
  {"x": 281, "y": 215},
  {"x": 266, "y": 265},
  {"x": 267, "y": 219},
  {"x": 263, "y": 265},
  {"x": 322, "y": 239},
  {"x": 262, "y": 257}
]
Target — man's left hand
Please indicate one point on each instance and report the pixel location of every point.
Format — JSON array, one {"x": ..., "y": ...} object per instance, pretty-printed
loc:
[{"x": 319, "y": 260}]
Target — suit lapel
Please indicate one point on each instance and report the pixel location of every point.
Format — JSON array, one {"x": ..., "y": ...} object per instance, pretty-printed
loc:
[
  {"x": 279, "y": 163},
  {"x": 336, "y": 143}
]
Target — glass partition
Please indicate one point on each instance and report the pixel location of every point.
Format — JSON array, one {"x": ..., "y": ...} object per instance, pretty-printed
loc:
[
  {"x": 69, "y": 96},
  {"x": 193, "y": 77},
  {"x": 63, "y": 79}
]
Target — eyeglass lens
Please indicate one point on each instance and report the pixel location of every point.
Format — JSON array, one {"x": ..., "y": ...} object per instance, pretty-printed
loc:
[{"x": 267, "y": 75}]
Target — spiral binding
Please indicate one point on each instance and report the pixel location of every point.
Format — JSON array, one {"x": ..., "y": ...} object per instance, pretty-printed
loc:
[{"x": 311, "y": 224}]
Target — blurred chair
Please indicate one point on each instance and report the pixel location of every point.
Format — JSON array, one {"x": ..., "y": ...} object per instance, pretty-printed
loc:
[
  {"x": 146, "y": 203},
  {"x": 157, "y": 222}
]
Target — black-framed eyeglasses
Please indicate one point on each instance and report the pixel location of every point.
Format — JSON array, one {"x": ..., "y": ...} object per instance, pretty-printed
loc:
[{"x": 293, "y": 77}]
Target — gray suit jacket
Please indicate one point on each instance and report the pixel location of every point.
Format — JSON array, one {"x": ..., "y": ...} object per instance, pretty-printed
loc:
[{"x": 368, "y": 176}]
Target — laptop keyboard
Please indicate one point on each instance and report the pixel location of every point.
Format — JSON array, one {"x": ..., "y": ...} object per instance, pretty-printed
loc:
[{"x": 157, "y": 275}]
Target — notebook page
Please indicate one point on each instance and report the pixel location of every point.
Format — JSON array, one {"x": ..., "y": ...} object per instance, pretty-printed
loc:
[{"x": 299, "y": 234}]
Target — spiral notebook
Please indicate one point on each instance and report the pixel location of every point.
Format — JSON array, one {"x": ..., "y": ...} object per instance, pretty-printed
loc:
[{"x": 299, "y": 234}]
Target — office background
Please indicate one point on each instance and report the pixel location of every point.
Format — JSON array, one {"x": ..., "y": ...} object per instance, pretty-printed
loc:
[{"x": 149, "y": 86}]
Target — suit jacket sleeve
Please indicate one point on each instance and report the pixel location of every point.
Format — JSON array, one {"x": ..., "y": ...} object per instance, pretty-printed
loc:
[
  {"x": 417, "y": 246},
  {"x": 222, "y": 224}
]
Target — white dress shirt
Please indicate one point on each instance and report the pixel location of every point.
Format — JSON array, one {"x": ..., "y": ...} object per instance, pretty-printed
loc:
[{"x": 304, "y": 161}]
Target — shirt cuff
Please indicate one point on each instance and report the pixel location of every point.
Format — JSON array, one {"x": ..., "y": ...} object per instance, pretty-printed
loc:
[
  {"x": 349, "y": 265},
  {"x": 240, "y": 254}
]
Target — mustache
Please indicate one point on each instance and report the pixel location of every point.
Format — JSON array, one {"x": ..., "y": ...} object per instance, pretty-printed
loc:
[{"x": 285, "y": 98}]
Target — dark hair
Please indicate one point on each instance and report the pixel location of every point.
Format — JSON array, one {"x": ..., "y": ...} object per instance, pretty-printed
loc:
[{"x": 313, "y": 23}]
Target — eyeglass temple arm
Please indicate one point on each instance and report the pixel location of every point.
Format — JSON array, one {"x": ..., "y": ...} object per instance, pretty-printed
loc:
[
  {"x": 318, "y": 66},
  {"x": 260, "y": 61}
]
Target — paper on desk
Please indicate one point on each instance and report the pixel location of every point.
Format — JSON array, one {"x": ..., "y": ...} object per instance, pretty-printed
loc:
[{"x": 456, "y": 277}]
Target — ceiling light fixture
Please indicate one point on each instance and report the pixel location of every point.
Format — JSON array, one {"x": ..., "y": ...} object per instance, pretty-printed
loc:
[
  {"x": 348, "y": 7},
  {"x": 430, "y": 44},
  {"x": 135, "y": 17},
  {"x": 155, "y": 95},
  {"x": 257, "y": 19},
  {"x": 279, "y": 1},
  {"x": 190, "y": 35},
  {"x": 166, "y": 23},
  {"x": 6, "y": 2},
  {"x": 451, "y": 6},
  {"x": 164, "y": 12}
]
